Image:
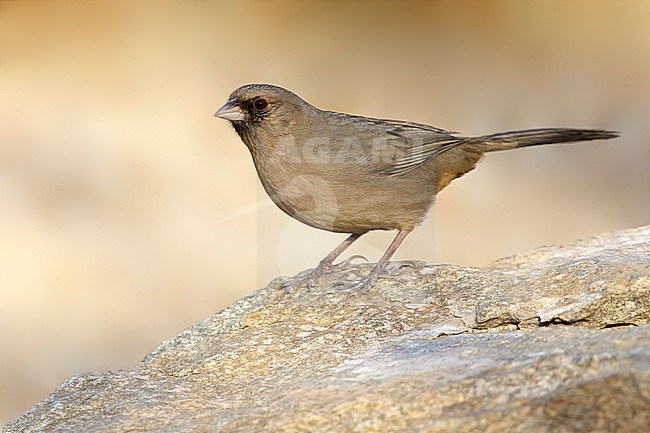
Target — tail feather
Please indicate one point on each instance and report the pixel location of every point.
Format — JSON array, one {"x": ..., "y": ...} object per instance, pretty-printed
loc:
[{"x": 536, "y": 137}]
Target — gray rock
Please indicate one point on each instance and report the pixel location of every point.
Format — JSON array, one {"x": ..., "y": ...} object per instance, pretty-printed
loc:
[{"x": 554, "y": 340}]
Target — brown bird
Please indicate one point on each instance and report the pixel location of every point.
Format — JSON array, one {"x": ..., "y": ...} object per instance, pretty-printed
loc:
[{"x": 353, "y": 174}]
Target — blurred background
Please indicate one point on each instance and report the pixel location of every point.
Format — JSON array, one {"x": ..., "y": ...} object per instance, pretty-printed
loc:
[{"x": 127, "y": 212}]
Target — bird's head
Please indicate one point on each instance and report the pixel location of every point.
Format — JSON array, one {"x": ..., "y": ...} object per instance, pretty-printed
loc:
[{"x": 255, "y": 107}]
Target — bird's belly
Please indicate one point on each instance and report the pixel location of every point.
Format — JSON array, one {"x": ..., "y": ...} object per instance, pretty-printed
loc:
[
  {"x": 354, "y": 204},
  {"x": 307, "y": 198}
]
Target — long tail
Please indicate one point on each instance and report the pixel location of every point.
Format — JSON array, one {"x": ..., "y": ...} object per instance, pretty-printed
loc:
[{"x": 536, "y": 137}]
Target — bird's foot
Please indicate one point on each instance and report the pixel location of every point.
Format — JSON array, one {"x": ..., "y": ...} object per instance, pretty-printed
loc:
[
  {"x": 361, "y": 287},
  {"x": 347, "y": 263},
  {"x": 396, "y": 268},
  {"x": 356, "y": 287},
  {"x": 309, "y": 280}
]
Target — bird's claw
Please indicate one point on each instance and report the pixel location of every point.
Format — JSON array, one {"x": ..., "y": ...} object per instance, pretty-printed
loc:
[
  {"x": 352, "y": 288},
  {"x": 361, "y": 287},
  {"x": 298, "y": 282},
  {"x": 347, "y": 262},
  {"x": 397, "y": 267},
  {"x": 309, "y": 280}
]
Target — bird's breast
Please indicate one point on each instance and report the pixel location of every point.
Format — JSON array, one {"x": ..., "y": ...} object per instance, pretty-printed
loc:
[{"x": 338, "y": 195}]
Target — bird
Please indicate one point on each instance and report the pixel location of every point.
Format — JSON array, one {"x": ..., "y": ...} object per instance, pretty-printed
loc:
[{"x": 353, "y": 174}]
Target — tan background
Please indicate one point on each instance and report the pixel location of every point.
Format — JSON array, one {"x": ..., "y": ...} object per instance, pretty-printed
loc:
[{"x": 127, "y": 211}]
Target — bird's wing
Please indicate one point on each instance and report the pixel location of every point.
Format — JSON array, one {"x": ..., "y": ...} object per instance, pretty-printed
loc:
[
  {"x": 391, "y": 147},
  {"x": 414, "y": 146}
]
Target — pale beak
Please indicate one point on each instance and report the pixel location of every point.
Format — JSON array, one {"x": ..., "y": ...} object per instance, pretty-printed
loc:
[{"x": 230, "y": 111}]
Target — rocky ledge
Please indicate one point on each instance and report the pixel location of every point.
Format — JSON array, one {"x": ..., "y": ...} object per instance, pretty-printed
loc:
[{"x": 554, "y": 340}]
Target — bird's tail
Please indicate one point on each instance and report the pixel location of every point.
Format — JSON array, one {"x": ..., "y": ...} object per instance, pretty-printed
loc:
[{"x": 536, "y": 137}]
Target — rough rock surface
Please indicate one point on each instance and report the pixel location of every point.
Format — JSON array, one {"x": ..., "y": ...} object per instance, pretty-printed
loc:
[{"x": 554, "y": 340}]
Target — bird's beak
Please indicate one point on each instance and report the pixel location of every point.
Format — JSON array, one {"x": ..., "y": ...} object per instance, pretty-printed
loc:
[{"x": 230, "y": 111}]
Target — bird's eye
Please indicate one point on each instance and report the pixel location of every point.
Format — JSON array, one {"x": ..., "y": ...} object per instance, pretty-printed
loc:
[{"x": 260, "y": 104}]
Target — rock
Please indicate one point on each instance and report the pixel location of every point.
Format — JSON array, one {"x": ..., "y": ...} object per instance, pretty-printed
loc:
[{"x": 554, "y": 340}]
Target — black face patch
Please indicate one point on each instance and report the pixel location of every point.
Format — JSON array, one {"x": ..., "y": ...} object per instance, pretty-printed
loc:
[
  {"x": 256, "y": 108},
  {"x": 240, "y": 127},
  {"x": 255, "y": 112}
]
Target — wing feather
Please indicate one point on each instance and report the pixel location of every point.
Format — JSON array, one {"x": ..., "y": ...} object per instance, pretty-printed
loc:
[{"x": 397, "y": 147}]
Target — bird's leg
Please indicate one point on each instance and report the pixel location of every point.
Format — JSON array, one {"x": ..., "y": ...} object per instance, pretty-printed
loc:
[
  {"x": 325, "y": 265},
  {"x": 380, "y": 267}
]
